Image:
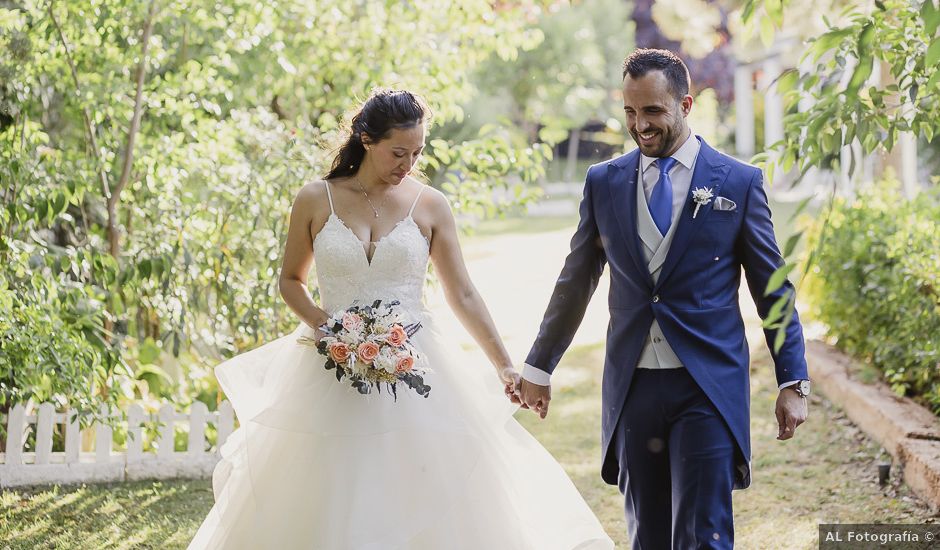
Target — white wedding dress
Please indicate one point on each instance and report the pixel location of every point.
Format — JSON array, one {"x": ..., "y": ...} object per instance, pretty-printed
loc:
[{"x": 316, "y": 465}]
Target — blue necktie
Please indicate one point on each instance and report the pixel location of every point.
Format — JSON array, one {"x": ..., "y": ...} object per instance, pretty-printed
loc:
[{"x": 661, "y": 198}]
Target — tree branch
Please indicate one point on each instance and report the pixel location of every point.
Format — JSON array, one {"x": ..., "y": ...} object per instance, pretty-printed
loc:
[{"x": 113, "y": 235}]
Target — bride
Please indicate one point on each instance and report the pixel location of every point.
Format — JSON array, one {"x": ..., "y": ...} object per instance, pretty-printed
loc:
[{"x": 317, "y": 465}]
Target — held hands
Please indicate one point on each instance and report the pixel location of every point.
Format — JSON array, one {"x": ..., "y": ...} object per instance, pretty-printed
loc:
[
  {"x": 791, "y": 411},
  {"x": 510, "y": 379},
  {"x": 535, "y": 397}
]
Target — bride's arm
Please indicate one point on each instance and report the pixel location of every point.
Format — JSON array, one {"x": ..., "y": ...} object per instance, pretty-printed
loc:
[
  {"x": 461, "y": 294},
  {"x": 298, "y": 258}
]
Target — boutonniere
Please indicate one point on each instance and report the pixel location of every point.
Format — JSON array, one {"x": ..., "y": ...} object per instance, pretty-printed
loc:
[{"x": 701, "y": 196}]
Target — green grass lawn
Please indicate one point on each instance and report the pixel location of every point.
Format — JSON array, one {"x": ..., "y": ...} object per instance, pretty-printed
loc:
[{"x": 825, "y": 475}]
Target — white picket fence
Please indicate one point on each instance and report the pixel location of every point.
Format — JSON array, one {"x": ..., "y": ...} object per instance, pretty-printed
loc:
[{"x": 104, "y": 464}]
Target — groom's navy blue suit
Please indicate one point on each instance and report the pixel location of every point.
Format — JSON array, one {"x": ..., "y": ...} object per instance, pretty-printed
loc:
[{"x": 695, "y": 301}]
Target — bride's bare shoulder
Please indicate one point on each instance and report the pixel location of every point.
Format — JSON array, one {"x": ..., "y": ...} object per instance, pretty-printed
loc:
[
  {"x": 312, "y": 198},
  {"x": 433, "y": 200}
]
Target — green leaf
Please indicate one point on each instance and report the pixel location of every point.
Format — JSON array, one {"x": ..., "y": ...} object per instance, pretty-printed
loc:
[
  {"x": 777, "y": 278},
  {"x": 865, "y": 62},
  {"x": 931, "y": 16},
  {"x": 828, "y": 41},
  {"x": 156, "y": 378},
  {"x": 775, "y": 11},
  {"x": 767, "y": 31},
  {"x": 42, "y": 208},
  {"x": 775, "y": 313},
  {"x": 934, "y": 79},
  {"x": 933, "y": 53},
  {"x": 787, "y": 317},
  {"x": 781, "y": 336},
  {"x": 748, "y": 10},
  {"x": 791, "y": 244},
  {"x": 149, "y": 352},
  {"x": 787, "y": 81}
]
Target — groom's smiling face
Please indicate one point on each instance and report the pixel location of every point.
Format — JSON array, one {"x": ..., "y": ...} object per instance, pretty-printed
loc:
[{"x": 655, "y": 116}]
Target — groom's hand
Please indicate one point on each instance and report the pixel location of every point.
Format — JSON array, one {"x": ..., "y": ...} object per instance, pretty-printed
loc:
[
  {"x": 535, "y": 397},
  {"x": 791, "y": 411}
]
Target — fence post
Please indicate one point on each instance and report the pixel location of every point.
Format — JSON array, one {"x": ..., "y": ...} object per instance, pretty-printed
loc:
[
  {"x": 103, "y": 438},
  {"x": 197, "y": 428},
  {"x": 135, "y": 441},
  {"x": 72, "y": 436},
  {"x": 44, "y": 425},
  {"x": 166, "y": 431},
  {"x": 15, "y": 429}
]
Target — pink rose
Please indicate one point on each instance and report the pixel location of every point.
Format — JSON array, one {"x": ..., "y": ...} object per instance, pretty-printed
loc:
[
  {"x": 339, "y": 352},
  {"x": 397, "y": 335},
  {"x": 405, "y": 363},
  {"x": 367, "y": 352},
  {"x": 352, "y": 322}
]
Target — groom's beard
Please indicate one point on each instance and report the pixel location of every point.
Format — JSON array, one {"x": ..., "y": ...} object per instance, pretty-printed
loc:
[{"x": 668, "y": 140}]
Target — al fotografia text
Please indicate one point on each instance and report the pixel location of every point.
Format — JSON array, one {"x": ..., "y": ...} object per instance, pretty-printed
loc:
[{"x": 881, "y": 538}]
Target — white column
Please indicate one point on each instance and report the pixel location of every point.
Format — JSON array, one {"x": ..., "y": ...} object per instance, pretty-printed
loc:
[
  {"x": 773, "y": 102},
  {"x": 908, "y": 144},
  {"x": 744, "y": 109}
]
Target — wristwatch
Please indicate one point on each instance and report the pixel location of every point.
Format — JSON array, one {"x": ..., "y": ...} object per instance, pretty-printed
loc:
[{"x": 801, "y": 388}]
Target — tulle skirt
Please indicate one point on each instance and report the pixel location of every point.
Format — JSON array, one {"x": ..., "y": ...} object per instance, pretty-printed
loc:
[{"x": 316, "y": 465}]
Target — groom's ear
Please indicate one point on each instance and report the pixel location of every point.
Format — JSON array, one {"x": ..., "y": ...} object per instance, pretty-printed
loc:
[{"x": 686, "y": 104}]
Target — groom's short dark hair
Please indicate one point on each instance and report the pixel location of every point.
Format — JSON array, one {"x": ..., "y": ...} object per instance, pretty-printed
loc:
[{"x": 644, "y": 60}]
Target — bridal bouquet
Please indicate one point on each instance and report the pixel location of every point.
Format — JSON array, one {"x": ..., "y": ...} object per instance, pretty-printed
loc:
[{"x": 371, "y": 345}]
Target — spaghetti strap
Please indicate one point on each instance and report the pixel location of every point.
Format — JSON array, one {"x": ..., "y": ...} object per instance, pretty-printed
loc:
[
  {"x": 329, "y": 196},
  {"x": 415, "y": 203}
]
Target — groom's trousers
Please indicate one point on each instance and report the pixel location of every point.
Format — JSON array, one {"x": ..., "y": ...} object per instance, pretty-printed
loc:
[{"x": 676, "y": 459}]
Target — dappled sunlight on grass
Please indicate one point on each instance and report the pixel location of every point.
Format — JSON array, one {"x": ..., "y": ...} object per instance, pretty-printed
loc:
[{"x": 146, "y": 514}]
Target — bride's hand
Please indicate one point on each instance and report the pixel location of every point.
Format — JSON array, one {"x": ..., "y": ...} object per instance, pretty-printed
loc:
[{"x": 511, "y": 381}]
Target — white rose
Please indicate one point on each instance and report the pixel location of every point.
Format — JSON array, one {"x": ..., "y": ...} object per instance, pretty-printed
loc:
[
  {"x": 386, "y": 360},
  {"x": 351, "y": 338}
]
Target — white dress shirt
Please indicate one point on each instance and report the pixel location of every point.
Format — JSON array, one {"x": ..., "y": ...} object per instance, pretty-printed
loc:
[{"x": 681, "y": 174}]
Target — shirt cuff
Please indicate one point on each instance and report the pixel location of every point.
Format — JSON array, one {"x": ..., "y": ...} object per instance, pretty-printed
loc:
[
  {"x": 536, "y": 376},
  {"x": 787, "y": 384}
]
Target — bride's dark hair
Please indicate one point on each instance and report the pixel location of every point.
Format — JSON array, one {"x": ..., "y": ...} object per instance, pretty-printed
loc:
[{"x": 383, "y": 111}]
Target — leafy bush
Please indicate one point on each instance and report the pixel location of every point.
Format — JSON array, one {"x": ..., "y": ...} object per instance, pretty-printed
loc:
[{"x": 876, "y": 284}]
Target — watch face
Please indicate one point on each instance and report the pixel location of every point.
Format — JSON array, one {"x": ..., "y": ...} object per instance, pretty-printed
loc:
[{"x": 803, "y": 387}]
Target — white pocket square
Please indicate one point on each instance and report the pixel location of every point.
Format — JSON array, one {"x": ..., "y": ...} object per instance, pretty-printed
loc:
[{"x": 724, "y": 204}]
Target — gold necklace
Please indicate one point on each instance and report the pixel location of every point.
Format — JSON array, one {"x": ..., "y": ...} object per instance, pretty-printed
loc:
[{"x": 374, "y": 210}]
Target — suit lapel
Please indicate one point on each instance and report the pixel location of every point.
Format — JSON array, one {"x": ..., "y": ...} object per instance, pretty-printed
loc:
[
  {"x": 622, "y": 181},
  {"x": 710, "y": 172}
]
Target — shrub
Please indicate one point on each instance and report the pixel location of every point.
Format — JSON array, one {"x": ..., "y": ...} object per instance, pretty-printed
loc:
[{"x": 876, "y": 284}]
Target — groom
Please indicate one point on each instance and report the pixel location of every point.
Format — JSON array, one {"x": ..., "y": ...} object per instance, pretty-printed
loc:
[{"x": 676, "y": 221}]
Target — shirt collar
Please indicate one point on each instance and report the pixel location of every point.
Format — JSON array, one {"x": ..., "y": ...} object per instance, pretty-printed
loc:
[{"x": 685, "y": 154}]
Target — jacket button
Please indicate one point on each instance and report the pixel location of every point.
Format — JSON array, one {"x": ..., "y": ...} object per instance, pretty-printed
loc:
[
  {"x": 657, "y": 339},
  {"x": 655, "y": 298}
]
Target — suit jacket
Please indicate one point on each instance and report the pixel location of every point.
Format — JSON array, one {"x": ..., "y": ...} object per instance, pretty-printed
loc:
[{"x": 694, "y": 299}]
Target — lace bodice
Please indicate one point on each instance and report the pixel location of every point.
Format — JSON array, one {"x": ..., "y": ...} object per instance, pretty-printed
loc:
[{"x": 397, "y": 270}]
